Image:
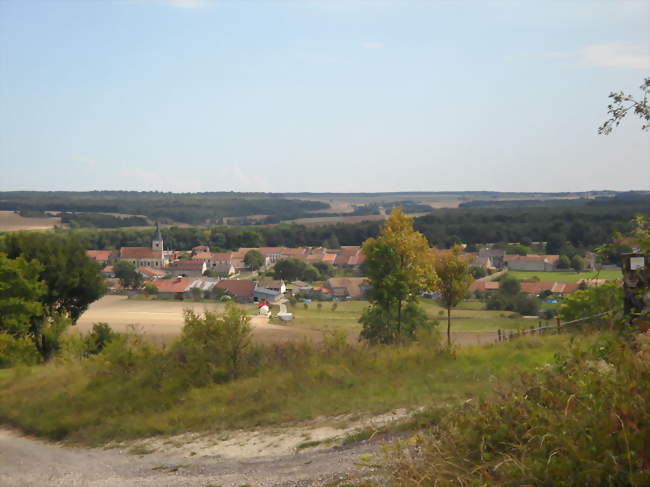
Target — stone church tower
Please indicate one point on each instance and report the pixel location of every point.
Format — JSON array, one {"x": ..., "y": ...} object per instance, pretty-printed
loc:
[{"x": 156, "y": 240}]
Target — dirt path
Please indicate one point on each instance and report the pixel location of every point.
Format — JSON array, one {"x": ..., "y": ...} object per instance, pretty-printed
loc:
[{"x": 265, "y": 458}]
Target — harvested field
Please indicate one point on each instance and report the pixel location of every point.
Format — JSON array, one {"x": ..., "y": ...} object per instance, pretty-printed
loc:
[
  {"x": 160, "y": 320},
  {"x": 12, "y": 222}
]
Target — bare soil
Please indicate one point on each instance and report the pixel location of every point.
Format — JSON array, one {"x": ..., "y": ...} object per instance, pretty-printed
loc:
[
  {"x": 12, "y": 222},
  {"x": 162, "y": 320}
]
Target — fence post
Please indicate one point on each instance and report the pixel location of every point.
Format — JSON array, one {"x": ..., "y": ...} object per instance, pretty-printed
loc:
[
  {"x": 499, "y": 334},
  {"x": 557, "y": 320}
]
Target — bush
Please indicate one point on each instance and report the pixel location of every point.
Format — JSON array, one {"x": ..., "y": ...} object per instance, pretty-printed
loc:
[
  {"x": 100, "y": 336},
  {"x": 17, "y": 351},
  {"x": 215, "y": 347},
  {"x": 526, "y": 305},
  {"x": 581, "y": 421}
]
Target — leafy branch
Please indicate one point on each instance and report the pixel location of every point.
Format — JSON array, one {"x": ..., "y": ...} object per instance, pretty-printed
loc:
[{"x": 622, "y": 104}]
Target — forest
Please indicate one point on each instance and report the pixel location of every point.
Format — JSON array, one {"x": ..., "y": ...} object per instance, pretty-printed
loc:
[
  {"x": 581, "y": 226},
  {"x": 191, "y": 208}
]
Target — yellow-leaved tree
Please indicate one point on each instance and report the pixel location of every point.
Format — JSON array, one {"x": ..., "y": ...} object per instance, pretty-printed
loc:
[{"x": 399, "y": 265}]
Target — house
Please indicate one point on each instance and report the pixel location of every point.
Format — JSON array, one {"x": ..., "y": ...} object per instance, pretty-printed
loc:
[
  {"x": 349, "y": 255},
  {"x": 187, "y": 268},
  {"x": 220, "y": 263},
  {"x": 347, "y": 287},
  {"x": 262, "y": 293},
  {"x": 199, "y": 249},
  {"x": 300, "y": 287},
  {"x": 103, "y": 257},
  {"x": 484, "y": 286},
  {"x": 542, "y": 263},
  {"x": 172, "y": 287},
  {"x": 151, "y": 273},
  {"x": 239, "y": 290},
  {"x": 153, "y": 256},
  {"x": 497, "y": 257},
  {"x": 537, "y": 288},
  {"x": 274, "y": 285}
]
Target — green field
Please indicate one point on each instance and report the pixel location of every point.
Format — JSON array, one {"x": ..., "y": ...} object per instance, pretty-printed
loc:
[
  {"x": 564, "y": 276},
  {"x": 469, "y": 316}
]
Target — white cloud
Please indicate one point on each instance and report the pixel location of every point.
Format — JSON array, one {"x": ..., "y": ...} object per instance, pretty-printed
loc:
[
  {"x": 372, "y": 45},
  {"x": 608, "y": 55}
]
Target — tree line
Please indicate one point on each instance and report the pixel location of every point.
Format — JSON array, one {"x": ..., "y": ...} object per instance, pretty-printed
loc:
[{"x": 579, "y": 227}]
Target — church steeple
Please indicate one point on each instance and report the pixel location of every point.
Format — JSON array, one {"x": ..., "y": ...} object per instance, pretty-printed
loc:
[{"x": 157, "y": 240}]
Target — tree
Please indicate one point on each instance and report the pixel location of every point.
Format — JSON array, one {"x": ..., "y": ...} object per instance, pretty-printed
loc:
[
  {"x": 73, "y": 280},
  {"x": 623, "y": 104},
  {"x": 325, "y": 269},
  {"x": 332, "y": 242},
  {"x": 607, "y": 298},
  {"x": 555, "y": 243},
  {"x": 399, "y": 266},
  {"x": 288, "y": 269},
  {"x": 455, "y": 275},
  {"x": 20, "y": 293},
  {"x": 519, "y": 249},
  {"x": 577, "y": 263},
  {"x": 564, "y": 262},
  {"x": 127, "y": 274},
  {"x": 510, "y": 287},
  {"x": 150, "y": 289},
  {"x": 254, "y": 259}
]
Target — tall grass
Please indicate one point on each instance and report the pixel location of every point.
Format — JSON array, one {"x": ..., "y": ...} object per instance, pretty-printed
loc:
[
  {"x": 584, "y": 420},
  {"x": 132, "y": 389}
]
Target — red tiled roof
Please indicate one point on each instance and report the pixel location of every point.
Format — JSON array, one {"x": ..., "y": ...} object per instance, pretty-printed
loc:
[
  {"x": 177, "y": 285},
  {"x": 221, "y": 256},
  {"x": 239, "y": 288},
  {"x": 484, "y": 286},
  {"x": 203, "y": 256},
  {"x": 151, "y": 272},
  {"x": 201, "y": 248},
  {"x": 139, "y": 253},
  {"x": 186, "y": 265},
  {"x": 99, "y": 255}
]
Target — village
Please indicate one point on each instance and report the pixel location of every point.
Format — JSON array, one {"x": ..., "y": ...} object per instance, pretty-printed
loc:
[{"x": 199, "y": 273}]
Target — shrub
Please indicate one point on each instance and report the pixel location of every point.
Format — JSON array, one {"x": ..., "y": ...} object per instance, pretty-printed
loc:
[
  {"x": 582, "y": 421},
  {"x": 17, "y": 351},
  {"x": 100, "y": 336}
]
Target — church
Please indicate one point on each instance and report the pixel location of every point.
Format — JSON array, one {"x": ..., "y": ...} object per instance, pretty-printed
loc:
[{"x": 153, "y": 256}]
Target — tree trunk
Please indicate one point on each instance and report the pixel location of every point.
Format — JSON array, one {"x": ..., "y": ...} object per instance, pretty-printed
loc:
[
  {"x": 449, "y": 327},
  {"x": 399, "y": 320}
]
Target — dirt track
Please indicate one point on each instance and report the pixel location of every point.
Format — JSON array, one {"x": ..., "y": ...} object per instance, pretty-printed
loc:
[{"x": 27, "y": 462}]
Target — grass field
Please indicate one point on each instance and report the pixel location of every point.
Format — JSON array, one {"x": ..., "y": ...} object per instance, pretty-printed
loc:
[
  {"x": 160, "y": 321},
  {"x": 93, "y": 401},
  {"x": 470, "y": 323},
  {"x": 565, "y": 276}
]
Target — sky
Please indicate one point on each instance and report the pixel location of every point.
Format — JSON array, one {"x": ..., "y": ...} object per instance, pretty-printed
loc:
[{"x": 320, "y": 96}]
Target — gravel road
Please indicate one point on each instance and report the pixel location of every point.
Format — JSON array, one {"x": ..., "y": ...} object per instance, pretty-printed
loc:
[{"x": 26, "y": 462}]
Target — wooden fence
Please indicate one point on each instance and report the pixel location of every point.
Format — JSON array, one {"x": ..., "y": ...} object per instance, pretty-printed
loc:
[{"x": 552, "y": 329}]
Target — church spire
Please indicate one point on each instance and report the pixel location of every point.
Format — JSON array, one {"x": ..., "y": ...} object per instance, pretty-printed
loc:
[{"x": 157, "y": 240}]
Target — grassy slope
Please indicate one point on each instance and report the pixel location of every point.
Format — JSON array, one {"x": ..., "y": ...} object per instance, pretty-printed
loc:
[
  {"x": 565, "y": 276},
  {"x": 81, "y": 401}
]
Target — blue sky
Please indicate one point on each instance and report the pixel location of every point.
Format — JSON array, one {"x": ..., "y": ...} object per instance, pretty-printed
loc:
[{"x": 196, "y": 95}]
